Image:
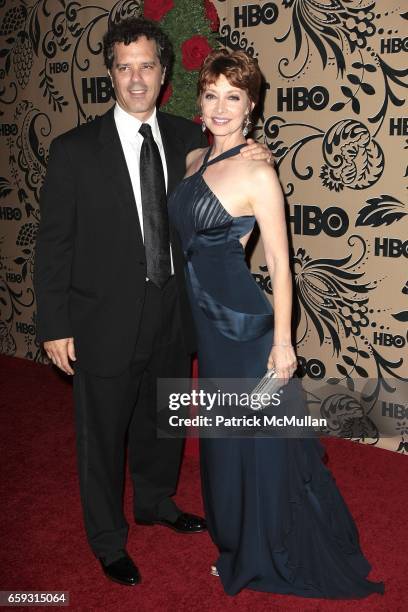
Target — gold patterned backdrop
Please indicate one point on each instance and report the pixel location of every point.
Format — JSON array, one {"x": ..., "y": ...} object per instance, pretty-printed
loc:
[
  {"x": 335, "y": 119},
  {"x": 334, "y": 116}
]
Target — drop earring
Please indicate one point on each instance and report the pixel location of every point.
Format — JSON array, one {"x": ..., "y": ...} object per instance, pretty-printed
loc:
[
  {"x": 246, "y": 126},
  {"x": 203, "y": 126}
]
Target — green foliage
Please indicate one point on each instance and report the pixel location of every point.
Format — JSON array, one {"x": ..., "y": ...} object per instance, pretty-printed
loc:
[{"x": 185, "y": 20}]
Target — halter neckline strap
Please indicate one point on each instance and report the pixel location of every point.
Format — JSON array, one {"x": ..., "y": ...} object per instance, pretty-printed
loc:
[{"x": 224, "y": 155}]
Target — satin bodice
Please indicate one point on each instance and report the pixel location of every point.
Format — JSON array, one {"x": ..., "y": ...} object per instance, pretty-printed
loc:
[
  {"x": 215, "y": 258},
  {"x": 202, "y": 219}
]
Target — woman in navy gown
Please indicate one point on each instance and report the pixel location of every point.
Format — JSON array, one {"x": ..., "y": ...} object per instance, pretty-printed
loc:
[{"x": 273, "y": 509}]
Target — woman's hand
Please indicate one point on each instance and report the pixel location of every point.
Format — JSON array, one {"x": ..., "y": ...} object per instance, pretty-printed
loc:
[
  {"x": 283, "y": 360},
  {"x": 257, "y": 151}
]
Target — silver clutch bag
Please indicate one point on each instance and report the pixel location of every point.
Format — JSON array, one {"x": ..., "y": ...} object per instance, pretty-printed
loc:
[{"x": 269, "y": 384}]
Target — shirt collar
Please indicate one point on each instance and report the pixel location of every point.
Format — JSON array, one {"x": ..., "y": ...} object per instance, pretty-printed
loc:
[{"x": 128, "y": 125}]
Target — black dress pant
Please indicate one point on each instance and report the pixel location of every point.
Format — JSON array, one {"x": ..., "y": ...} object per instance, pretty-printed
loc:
[{"x": 115, "y": 410}]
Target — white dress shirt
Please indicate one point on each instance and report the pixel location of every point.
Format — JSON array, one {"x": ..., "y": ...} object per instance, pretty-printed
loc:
[{"x": 128, "y": 128}]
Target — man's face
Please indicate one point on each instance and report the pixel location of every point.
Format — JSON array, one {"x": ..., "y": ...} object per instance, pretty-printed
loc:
[{"x": 137, "y": 77}]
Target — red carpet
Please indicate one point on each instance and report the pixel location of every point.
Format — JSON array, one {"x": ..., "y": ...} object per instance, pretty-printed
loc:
[{"x": 42, "y": 539}]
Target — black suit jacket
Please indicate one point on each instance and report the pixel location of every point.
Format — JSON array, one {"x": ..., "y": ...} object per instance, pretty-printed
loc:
[{"x": 90, "y": 266}]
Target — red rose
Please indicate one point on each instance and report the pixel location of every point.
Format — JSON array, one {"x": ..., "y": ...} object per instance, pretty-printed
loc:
[
  {"x": 212, "y": 15},
  {"x": 156, "y": 9},
  {"x": 166, "y": 94},
  {"x": 194, "y": 51}
]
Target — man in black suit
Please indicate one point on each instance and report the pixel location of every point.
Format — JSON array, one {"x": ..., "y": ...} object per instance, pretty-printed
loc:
[{"x": 111, "y": 299}]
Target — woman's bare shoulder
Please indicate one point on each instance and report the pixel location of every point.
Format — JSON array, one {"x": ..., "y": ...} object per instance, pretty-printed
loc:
[
  {"x": 194, "y": 159},
  {"x": 254, "y": 171}
]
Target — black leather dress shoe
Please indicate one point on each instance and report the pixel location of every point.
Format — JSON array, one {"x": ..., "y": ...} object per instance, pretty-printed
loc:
[
  {"x": 123, "y": 571},
  {"x": 184, "y": 523}
]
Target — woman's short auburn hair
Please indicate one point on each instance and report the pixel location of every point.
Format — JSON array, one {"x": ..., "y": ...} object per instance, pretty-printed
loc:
[{"x": 241, "y": 70}]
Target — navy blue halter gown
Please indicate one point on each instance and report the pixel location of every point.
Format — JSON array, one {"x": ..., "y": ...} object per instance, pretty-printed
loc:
[{"x": 273, "y": 509}]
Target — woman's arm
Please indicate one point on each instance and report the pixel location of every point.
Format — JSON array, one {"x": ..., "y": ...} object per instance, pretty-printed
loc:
[{"x": 267, "y": 203}]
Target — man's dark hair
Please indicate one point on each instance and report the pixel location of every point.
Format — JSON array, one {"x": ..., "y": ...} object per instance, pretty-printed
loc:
[{"x": 128, "y": 31}]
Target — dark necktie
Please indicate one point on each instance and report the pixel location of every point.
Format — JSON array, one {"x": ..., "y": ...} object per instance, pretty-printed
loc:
[{"x": 154, "y": 204}]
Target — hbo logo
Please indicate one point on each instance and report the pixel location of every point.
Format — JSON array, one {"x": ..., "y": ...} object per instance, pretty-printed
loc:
[
  {"x": 253, "y": 14},
  {"x": 57, "y": 67},
  {"x": 300, "y": 98},
  {"x": 7, "y": 213},
  {"x": 394, "y": 45},
  {"x": 390, "y": 247},
  {"x": 11, "y": 277},
  {"x": 313, "y": 368},
  {"x": 25, "y": 328},
  {"x": 311, "y": 220},
  {"x": 8, "y": 129},
  {"x": 384, "y": 339}
]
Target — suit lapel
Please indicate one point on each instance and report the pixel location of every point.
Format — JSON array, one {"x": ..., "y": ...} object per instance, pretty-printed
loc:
[
  {"x": 174, "y": 152},
  {"x": 114, "y": 166}
]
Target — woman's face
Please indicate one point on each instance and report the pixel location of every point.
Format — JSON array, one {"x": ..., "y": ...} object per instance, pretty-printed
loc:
[{"x": 224, "y": 107}]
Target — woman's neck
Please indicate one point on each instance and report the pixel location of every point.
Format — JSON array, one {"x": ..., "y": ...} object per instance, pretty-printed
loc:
[{"x": 225, "y": 143}]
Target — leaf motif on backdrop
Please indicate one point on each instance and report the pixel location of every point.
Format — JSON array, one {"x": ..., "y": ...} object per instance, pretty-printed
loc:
[
  {"x": 401, "y": 316},
  {"x": 7, "y": 342},
  {"x": 282, "y": 149},
  {"x": 384, "y": 367},
  {"x": 361, "y": 85},
  {"x": 122, "y": 10},
  {"x": 11, "y": 304},
  {"x": 31, "y": 153},
  {"x": 23, "y": 23},
  {"x": 34, "y": 30},
  {"x": 234, "y": 40},
  {"x": 353, "y": 158},
  {"x": 383, "y": 210},
  {"x": 340, "y": 29},
  {"x": 402, "y": 447},
  {"x": 13, "y": 20},
  {"x": 23, "y": 58},
  {"x": 347, "y": 418},
  {"x": 49, "y": 90},
  {"x": 5, "y": 187},
  {"x": 330, "y": 296},
  {"x": 390, "y": 76},
  {"x": 26, "y": 241},
  {"x": 329, "y": 27}
]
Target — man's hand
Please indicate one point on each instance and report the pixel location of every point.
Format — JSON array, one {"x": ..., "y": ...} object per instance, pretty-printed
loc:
[
  {"x": 257, "y": 151},
  {"x": 60, "y": 351}
]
